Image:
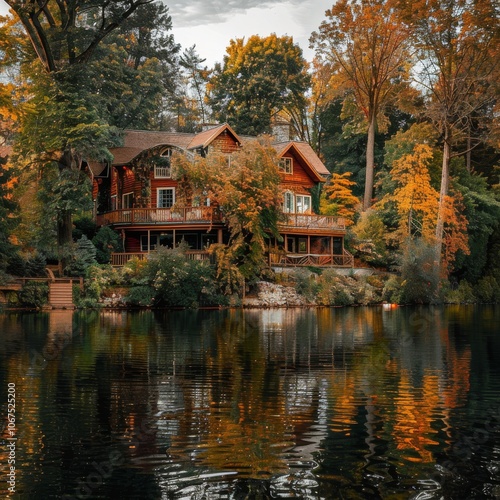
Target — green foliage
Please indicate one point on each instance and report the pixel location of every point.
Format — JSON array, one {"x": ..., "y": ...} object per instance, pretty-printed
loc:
[
  {"x": 419, "y": 273},
  {"x": 306, "y": 284},
  {"x": 34, "y": 294},
  {"x": 463, "y": 294},
  {"x": 334, "y": 290},
  {"x": 84, "y": 225},
  {"x": 141, "y": 295},
  {"x": 178, "y": 281},
  {"x": 487, "y": 290},
  {"x": 106, "y": 241},
  {"x": 83, "y": 257},
  {"x": 259, "y": 78},
  {"x": 30, "y": 266}
]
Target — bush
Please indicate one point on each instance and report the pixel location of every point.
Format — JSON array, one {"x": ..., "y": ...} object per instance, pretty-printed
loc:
[
  {"x": 420, "y": 276},
  {"x": 106, "y": 241},
  {"x": 84, "y": 257},
  {"x": 333, "y": 290},
  {"x": 30, "y": 267},
  {"x": 306, "y": 284},
  {"x": 142, "y": 295},
  {"x": 487, "y": 290},
  {"x": 463, "y": 294},
  {"x": 34, "y": 294},
  {"x": 180, "y": 282}
]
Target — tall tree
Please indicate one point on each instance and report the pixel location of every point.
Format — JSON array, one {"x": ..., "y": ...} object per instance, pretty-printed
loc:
[
  {"x": 197, "y": 76},
  {"x": 258, "y": 79},
  {"x": 365, "y": 46},
  {"x": 78, "y": 89},
  {"x": 457, "y": 46}
]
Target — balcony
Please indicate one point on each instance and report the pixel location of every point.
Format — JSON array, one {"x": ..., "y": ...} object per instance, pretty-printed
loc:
[
  {"x": 316, "y": 260},
  {"x": 312, "y": 221},
  {"x": 187, "y": 215}
]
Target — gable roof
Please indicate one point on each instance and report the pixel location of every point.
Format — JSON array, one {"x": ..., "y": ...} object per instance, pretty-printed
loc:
[
  {"x": 203, "y": 139},
  {"x": 306, "y": 152}
]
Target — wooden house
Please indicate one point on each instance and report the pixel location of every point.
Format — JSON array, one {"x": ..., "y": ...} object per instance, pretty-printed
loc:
[{"x": 136, "y": 196}]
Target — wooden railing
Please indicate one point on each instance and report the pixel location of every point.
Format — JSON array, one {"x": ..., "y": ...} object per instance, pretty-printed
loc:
[
  {"x": 160, "y": 215},
  {"x": 316, "y": 260},
  {"x": 120, "y": 259},
  {"x": 313, "y": 221}
]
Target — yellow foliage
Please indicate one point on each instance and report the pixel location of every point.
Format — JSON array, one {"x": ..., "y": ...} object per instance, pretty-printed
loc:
[{"x": 337, "y": 198}]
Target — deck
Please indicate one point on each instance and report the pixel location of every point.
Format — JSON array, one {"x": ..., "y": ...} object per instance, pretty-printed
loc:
[{"x": 210, "y": 215}]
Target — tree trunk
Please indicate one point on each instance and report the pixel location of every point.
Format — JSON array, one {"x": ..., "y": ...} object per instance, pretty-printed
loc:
[
  {"x": 445, "y": 177},
  {"x": 370, "y": 164},
  {"x": 64, "y": 238}
]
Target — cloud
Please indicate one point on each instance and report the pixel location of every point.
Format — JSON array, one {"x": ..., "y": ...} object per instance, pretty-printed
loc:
[{"x": 200, "y": 12}]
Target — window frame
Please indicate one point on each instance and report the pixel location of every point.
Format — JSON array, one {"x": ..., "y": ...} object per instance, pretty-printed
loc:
[
  {"x": 158, "y": 196},
  {"x": 286, "y": 165}
]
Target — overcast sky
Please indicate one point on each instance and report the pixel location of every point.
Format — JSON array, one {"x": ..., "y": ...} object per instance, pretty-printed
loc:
[{"x": 211, "y": 24}]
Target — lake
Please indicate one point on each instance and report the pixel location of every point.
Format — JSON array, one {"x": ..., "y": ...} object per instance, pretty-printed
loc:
[{"x": 352, "y": 403}]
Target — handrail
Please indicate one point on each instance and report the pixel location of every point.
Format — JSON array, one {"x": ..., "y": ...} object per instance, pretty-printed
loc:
[{"x": 160, "y": 215}]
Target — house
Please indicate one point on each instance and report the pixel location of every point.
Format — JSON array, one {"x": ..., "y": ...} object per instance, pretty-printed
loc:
[{"x": 136, "y": 196}]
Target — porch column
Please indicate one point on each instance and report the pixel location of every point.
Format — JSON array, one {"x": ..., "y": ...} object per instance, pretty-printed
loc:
[
  {"x": 149, "y": 240},
  {"x": 219, "y": 236},
  {"x": 308, "y": 243}
]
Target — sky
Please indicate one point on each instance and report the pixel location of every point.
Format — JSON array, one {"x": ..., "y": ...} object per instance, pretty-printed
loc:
[{"x": 211, "y": 24}]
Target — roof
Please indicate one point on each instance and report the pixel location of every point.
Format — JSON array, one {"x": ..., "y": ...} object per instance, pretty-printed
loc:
[
  {"x": 203, "y": 139},
  {"x": 137, "y": 141},
  {"x": 307, "y": 152}
]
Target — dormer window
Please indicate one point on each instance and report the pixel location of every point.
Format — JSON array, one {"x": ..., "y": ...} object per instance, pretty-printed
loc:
[
  {"x": 162, "y": 165},
  {"x": 286, "y": 165}
]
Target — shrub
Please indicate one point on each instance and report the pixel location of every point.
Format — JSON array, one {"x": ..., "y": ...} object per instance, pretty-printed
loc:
[
  {"x": 180, "y": 282},
  {"x": 106, "y": 241},
  {"x": 142, "y": 295},
  {"x": 487, "y": 290},
  {"x": 34, "y": 294},
  {"x": 333, "y": 290},
  {"x": 306, "y": 284},
  {"x": 463, "y": 294},
  {"x": 83, "y": 257},
  {"x": 420, "y": 276}
]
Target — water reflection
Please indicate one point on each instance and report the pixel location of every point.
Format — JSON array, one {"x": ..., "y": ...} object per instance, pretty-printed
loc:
[{"x": 328, "y": 403}]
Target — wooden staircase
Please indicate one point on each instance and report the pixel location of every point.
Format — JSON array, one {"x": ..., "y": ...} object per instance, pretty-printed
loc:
[{"x": 61, "y": 294}]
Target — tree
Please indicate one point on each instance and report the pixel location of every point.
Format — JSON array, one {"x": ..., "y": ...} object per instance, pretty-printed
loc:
[
  {"x": 457, "y": 48},
  {"x": 365, "y": 46},
  {"x": 337, "y": 198},
  {"x": 197, "y": 76},
  {"x": 245, "y": 187},
  {"x": 8, "y": 209},
  {"x": 259, "y": 78},
  {"x": 76, "y": 85}
]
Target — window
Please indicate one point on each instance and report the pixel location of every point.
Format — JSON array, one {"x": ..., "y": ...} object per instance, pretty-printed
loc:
[
  {"x": 153, "y": 242},
  {"x": 303, "y": 204},
  {"x": 289, "y": 203},
  {"x": 286, "y": 165},
  {"x": 165, "y": 197},
  {"x": 113, "y": 202},
  {"x": 162, "y": 167},
  {"x": 128, "y": 200},
  {"x": 302, "y": 245}
]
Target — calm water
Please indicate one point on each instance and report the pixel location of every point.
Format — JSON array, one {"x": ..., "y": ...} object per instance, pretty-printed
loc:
[{"x": 353, "y": 403}]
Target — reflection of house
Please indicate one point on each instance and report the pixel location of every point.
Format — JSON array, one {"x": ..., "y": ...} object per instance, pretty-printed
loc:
[{"x": 136, "y": 195}]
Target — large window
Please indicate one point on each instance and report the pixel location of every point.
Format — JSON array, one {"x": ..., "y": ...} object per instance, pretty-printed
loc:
[
  {"x": 303, "y": 204},
  {"x": 166, "y": 197}
]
